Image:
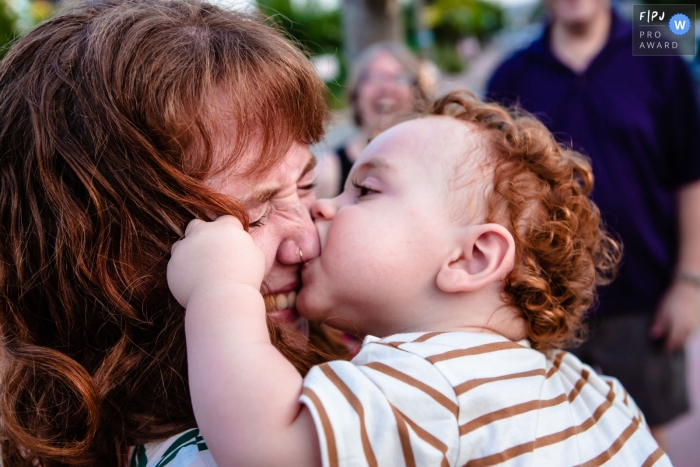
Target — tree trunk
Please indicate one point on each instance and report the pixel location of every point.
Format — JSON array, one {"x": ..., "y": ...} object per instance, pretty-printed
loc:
[{"x": 366, "y": 22}]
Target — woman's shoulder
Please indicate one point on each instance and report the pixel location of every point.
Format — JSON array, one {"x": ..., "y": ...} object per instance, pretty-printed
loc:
[{"x": 186, "y": 449}]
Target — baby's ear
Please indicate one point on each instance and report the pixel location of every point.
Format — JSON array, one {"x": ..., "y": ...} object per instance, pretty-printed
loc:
[{"x": 484, "y": 255}]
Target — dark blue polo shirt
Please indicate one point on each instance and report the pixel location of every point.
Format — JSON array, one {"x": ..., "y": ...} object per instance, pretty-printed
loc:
[{"x": 637, "y": 119}]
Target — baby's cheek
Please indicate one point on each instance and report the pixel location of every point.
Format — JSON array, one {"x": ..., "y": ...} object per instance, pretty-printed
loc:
[{"x": 308, "y": 304}]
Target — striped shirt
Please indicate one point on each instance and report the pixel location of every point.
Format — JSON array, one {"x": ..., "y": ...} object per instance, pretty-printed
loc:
[{"x": 471, "y": 399}]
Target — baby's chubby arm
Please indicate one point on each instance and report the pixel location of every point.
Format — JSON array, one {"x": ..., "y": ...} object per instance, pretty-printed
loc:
[{"x": 244, "y": 393}]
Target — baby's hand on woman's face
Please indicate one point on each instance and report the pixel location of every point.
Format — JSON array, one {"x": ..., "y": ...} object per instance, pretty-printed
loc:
[{"x": 213, "y": 254}]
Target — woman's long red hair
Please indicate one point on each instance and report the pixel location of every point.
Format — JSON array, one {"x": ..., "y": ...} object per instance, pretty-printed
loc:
[{"x": 105, "y": 138}]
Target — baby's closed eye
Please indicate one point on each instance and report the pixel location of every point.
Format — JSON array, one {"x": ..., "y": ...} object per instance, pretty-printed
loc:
[{"x": 363, "y": 190}]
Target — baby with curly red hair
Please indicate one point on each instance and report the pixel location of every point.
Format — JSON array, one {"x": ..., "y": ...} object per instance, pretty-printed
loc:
[{"x": 465, "y": 251}]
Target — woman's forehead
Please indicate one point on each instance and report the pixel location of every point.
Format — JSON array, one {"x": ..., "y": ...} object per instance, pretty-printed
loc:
[{"x": 384, "y": 60}]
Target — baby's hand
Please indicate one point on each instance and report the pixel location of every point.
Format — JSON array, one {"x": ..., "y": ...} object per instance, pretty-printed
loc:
[{"x": 212, "y": 254}]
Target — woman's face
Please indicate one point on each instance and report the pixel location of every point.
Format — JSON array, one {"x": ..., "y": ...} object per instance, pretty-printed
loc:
[
  {"x": 385, "y": 89},
  {"x": 278, "y": 206}
]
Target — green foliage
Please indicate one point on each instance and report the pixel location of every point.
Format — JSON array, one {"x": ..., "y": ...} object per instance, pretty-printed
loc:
[
  {"x": 446, "y": 58},
  {"x": 452, "y": 20},
  {"x": 8, "y": 28},
  {"x": 317, "y": 32},
  {"x": 449, "y": 21}
]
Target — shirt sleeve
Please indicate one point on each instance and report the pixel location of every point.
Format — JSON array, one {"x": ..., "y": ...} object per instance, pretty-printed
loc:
[
  {"x": 680, "y": 122},
  {"x": 387, "y": 407}
]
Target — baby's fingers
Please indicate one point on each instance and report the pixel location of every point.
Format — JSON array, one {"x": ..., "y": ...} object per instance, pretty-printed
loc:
[
  {"x": 192, "y": 225},
  {"x": 172, "y": 248},
  {"x": 220, "y": 224},
  {"x": 234, "y": 221},
  {"x": 214, "y": 252},
  {"x": 179, "y": 281}
]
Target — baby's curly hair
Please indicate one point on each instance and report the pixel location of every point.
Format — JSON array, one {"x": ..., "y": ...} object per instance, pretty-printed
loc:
[{"x": 540, "y": 194}]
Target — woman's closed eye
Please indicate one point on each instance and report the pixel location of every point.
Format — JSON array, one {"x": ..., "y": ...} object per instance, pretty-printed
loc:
[
  {"x": 363, "y": 190},
  {"x": 260, "y": 221},
  {"x": 308, "y": 187}
]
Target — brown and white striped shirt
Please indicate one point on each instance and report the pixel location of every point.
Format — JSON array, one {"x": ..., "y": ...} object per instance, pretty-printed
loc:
[{"x": 471, "y": 399}]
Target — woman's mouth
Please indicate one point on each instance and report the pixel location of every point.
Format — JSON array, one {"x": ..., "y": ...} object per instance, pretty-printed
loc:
[
  {"x": 385, "y": 105},
  {"x": 281, "y": 306}
]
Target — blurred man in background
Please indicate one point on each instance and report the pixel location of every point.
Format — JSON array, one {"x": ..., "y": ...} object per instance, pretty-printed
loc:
[{"x": 637, "y": 119}]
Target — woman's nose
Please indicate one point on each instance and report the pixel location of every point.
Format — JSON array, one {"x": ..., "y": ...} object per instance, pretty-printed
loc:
[
  {"x": 301, "y": 242},
  {"x": 323, "y": 209}
]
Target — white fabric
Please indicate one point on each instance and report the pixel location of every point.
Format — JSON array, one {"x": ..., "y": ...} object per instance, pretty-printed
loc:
[
  {"x": 459, "y": 398},
  {"x": 186, "y": 449}
]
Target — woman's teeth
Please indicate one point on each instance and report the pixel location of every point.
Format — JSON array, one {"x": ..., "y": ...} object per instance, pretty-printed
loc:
[{"x": 280, "y": 301}]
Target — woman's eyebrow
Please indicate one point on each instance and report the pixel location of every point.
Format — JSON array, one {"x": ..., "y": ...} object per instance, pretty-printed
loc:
[
  {"x": 259, "y": 197},
  {"x": 309, "y": 166},
  {"x": 264, "y": 195}
]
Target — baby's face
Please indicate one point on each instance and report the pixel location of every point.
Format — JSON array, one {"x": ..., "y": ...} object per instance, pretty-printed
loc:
[{"x": 385, "y": 237}]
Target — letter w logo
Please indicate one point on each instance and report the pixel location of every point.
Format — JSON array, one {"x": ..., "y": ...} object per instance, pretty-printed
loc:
[{"x": 680, "y": 25}]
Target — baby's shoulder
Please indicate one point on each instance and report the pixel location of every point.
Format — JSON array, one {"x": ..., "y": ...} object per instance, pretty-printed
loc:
[
  {"x": 463, "y": 360},
  {"x": 464, "y": 350}
]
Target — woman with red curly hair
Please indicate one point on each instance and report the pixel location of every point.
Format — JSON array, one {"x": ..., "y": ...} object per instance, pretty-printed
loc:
[
  {"x": 465, "y": 252},
  {"x": 120, "y": 121}
]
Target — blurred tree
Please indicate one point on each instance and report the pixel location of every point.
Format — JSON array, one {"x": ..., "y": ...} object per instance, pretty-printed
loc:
[
  {"x": 43, "y": 9},
  {"x": 453, "y": 20},
  {"x": 8, "y": 27},
  {"x": 367, "y": 22},
  {"x": 316, "y": 29}
]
